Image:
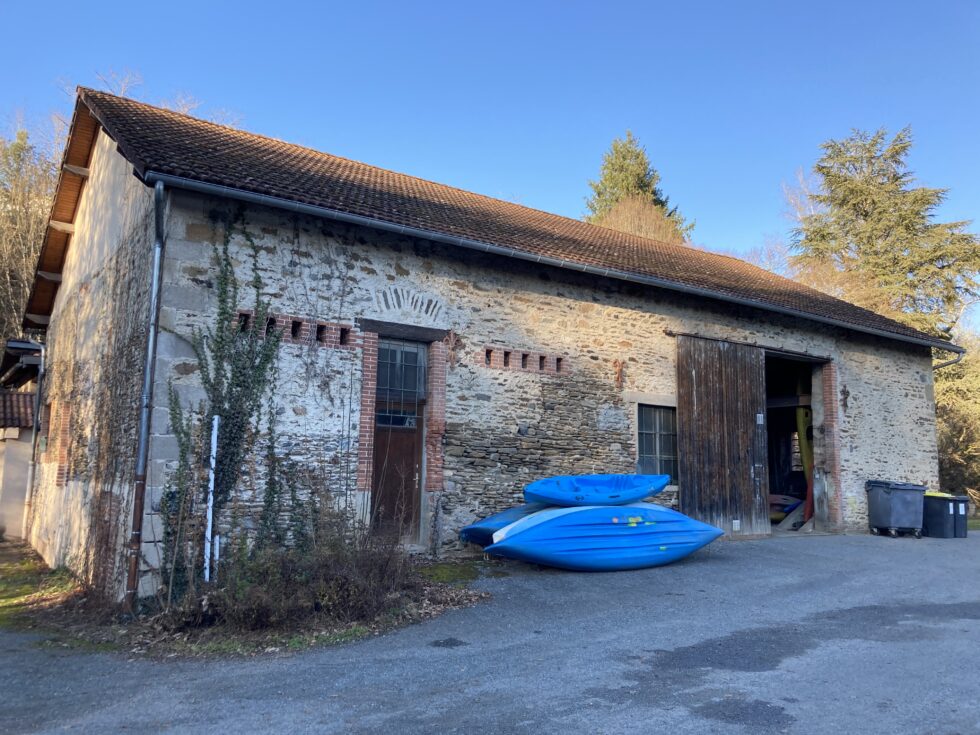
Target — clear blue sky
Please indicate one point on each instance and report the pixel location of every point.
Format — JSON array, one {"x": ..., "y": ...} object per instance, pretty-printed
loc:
[{"x": 519, "y": 100}]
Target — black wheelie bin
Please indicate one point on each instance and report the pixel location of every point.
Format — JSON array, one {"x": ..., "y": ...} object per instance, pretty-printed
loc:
[
  {"x": 894, "y": 507},
  {"x": 939, "y": 515}
]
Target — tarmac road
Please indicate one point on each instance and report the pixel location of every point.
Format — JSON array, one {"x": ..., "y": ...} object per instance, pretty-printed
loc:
[{"x": 826, "y": 634}]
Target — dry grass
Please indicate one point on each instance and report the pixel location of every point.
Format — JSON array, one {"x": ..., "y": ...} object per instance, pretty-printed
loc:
[
  {"x": 52, "y": 605},
  {"x": 28, "y": 587}
]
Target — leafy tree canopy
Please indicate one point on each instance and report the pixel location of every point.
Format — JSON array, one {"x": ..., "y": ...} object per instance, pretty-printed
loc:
[
  {"x": 871, "y": 236},
  {"x": 27, "y": 181}
]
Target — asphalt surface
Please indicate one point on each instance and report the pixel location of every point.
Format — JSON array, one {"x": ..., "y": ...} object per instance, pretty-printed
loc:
[{"x": 832, "y": 634}]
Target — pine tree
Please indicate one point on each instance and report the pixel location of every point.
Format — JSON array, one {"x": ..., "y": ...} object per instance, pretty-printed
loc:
[
  {"x": 872, "y": 237},
  {"x": 626, "y": 175}
]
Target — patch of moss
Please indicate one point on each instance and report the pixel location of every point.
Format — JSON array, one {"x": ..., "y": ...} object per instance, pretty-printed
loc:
[
  {"x": 460, "y": 572},
  {"x": 26, "y": 583}
]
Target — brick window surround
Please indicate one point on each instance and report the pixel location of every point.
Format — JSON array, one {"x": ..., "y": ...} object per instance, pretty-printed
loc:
[
  {"x": 299, "y": 330},
  {"x": 498, "y": 357},
  {"x": 435, "y": 414},
  {"x": 58, "y": 418}
]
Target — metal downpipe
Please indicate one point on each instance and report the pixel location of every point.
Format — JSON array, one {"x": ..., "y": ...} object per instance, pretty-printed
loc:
[
  {"x": 940, "y": 366},
  {"x": 146, "y": 403},
  {"x": 35, "y": 434}
]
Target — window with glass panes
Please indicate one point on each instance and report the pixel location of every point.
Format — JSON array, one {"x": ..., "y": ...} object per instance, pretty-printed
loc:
[
  {"x": 657, "y": 439},
  {"x": 401, "y": 382}
]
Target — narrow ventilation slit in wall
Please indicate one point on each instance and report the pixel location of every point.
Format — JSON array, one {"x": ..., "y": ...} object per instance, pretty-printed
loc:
[
  {"x": 488, "y": 358},
  {"x": 345, "y": 335},
  {"x": 524, "y": 357},
  {"x": 506, "y": 358},
  {"x": 295, "y": 329},
  {"x": 270, "y": 326},
  {"x": 541, "y": 362},
  {"x": 321, "y": 333},
  {"x": 244, "y": 321},
  {"x": 557, "y": 364}
]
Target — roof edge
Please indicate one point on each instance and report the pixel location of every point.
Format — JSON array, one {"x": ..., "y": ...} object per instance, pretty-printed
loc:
[{"x": 203, "y": 187}]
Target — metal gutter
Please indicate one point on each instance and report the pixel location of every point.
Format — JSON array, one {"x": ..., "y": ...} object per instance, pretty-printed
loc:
[
  {"x": 180, "y": 182},
  {"x": 146, "y": 402}
]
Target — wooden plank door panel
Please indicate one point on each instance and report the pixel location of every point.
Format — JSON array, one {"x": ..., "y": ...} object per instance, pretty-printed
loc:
[
  {"x": 395, "y": 490},
  {"x": 723, "y": 469}
]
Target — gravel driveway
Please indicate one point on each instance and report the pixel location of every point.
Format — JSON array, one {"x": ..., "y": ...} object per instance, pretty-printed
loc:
[{"x": 836, "y": 634}]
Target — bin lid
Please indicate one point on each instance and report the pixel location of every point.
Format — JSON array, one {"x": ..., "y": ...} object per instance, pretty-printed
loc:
[
  {"x": 885, "y": 484},
  {"x": 939, "y": 495}
]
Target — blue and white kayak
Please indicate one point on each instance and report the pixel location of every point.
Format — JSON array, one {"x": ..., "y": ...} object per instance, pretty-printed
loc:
[
  {"x": 594, "y": 489},
  {"x": 482, "y": 531},
  {"x": 603, "y": 538}
]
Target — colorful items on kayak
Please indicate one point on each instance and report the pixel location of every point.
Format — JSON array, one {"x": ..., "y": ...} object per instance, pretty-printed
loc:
[{"x": 592, "y": 523}]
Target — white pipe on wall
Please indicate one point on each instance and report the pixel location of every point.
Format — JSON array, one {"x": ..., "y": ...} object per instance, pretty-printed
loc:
[{"x": 210, "y": 517}]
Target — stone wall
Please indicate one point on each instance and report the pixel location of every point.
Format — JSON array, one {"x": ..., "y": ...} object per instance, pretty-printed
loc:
[
  {"x": 506, "y": 425},
  {"x": 15, "y": 458},
  {"x": 79, "y": 512}
]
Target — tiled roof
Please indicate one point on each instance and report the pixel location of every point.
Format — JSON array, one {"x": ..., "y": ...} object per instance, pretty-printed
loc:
[
  {"x": 16, "y": 410},
  {"x": 165, "y": 142}
]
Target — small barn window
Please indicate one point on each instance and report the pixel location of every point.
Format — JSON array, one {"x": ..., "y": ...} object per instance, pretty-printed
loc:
[
  {"x": 524, "y": 357},
  {"x": 295, "y": 329},
  {"x": 321, "y": 333},
  {"x": 270, "y": 326},
  {"x": 541, "y": 362},
  {"x": 557, "y": 364},
  {"x": 244, "y": 321},
  {"x": 488, "y": 358},
  {"x": 345, "y": 335},
  {"x": 657, "y": 441},
  {"x": 401, "y": 371},
  {"x": 506, "y": 358}
]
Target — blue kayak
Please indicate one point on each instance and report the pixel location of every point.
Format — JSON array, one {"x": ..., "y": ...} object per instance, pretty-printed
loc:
[
  {"x": 603, "y": 538},
  {"x": 482, "y": 532},
  {"x": 594, "y": 489}
]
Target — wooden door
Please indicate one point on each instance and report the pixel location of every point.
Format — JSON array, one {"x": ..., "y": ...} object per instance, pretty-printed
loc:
[
  {"x": 721, "y": 434},
  {"x": 397, "y": 473},
  {"x": 398, "y": 437}
]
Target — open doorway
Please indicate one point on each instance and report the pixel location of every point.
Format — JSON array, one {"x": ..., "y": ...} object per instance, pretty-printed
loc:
[{"x": 789, "y": 422}]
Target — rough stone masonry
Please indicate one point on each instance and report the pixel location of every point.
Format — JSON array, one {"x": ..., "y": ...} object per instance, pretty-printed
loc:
[
  {"x": 537, "y": 371},
  {"x": 533, "y": 383}
]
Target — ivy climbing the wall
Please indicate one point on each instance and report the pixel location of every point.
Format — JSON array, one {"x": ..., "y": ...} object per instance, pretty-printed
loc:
[
  {"x": 297, "y": 553},
  {"x": 236, "y": 361}
]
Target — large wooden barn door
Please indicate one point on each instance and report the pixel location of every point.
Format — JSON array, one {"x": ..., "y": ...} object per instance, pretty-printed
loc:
[{"x": 721, "y": 434}]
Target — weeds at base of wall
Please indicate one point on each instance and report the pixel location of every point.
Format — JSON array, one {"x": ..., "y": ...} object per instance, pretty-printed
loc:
[
  {"x": 307, "y": 558},
  {"x": 52, "y": 605}
]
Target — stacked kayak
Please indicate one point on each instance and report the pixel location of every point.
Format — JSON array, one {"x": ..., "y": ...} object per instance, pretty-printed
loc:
[
  {"x": 592, "y": 523},
  {"x": 594, "y": 489}
]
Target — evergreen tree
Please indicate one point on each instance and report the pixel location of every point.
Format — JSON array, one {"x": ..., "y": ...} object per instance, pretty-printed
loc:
[
  {"x": 958, "y": 415},
  {"x": 872, "y": 238},
  {"x": 626, "y": 174}
]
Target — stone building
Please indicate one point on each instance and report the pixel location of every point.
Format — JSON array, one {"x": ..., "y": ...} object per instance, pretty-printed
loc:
[{"x": 439, "y": 347}]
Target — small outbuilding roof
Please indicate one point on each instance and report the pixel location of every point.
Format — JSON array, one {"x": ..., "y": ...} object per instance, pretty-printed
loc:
[
  {"x": 16, "y": 410},
  {"x": 195, "y": 154},
  {"x": 20, "y": 362}
]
